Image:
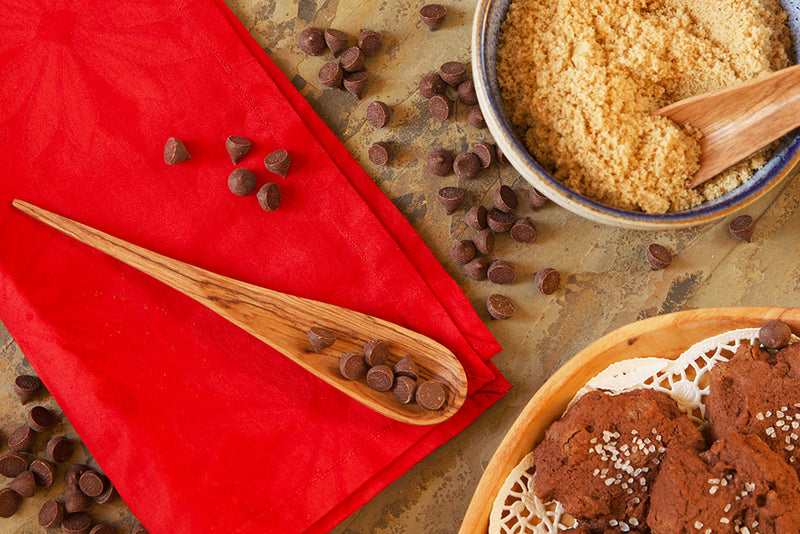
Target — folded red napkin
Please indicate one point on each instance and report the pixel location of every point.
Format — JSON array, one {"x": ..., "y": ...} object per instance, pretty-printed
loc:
[{"x": 201, "y": 427}]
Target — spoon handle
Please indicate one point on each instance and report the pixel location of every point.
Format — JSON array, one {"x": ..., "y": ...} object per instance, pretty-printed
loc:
[
  {"x": 282, "y": 321},
  {"x": 739, "y": 120}
]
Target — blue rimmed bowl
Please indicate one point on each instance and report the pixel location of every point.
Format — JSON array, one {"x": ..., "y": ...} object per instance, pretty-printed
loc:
[{"x": 489, "y": 15}]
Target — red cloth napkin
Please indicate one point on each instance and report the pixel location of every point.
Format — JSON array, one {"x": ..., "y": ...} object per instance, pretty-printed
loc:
[{"x": 201, "y": 427}]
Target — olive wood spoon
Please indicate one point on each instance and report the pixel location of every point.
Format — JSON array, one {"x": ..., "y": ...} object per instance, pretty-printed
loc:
[
  {"x": 282, "y": 321},
  {"x": 739, "y": 120}
]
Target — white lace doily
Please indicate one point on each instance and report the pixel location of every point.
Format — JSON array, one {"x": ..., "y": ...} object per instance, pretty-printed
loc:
[{"x": 516, "y": 508}]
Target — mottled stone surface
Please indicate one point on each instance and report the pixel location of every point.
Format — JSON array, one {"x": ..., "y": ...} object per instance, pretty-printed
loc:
[{"x": 606, "y": 281}]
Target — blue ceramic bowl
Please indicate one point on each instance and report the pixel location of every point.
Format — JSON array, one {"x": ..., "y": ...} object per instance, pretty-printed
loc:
[{"x": 489, "y": 15}]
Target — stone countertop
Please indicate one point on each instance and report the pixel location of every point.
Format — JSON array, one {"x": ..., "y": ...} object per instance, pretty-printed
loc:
[{"x": 606, "y": 281}]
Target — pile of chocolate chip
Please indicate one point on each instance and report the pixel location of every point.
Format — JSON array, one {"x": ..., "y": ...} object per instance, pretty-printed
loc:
[
  {"x": 373, "y": 364},
  {"x": 348, "y": 72},
  {"x": 86, "y": 486}
]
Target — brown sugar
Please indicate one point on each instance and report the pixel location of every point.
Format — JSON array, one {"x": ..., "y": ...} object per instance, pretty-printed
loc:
[{"x": 580, "y": 77}]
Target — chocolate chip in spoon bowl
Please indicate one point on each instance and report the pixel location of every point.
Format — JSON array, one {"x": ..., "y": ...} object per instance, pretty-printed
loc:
[
  {"x": 242, "y": 182},
  {"x": 352, "y": 366},
  {"x": 405, "y": 366},
  {"x": 175, "y": 152},
  {"x": 27, "y": 386},
  {"x": 369, "y": 42},
  {"x": 311, "y": 41},
  {"x": 320, "y": 338},
  {"x": 51, "y": 514},
  {"x": 433, "y": 15},
  {"x": 278, "y": 162},
  {"x": 237, "y": 147},
  {"x": 380, "y": 378},
  {"x": 431, "y": 395},
  {"x": 376, "y": 352},
  {"x": 404, "y": 389}
]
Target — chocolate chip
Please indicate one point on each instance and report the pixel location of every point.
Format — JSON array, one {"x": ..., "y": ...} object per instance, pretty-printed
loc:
[
  {"x": 102, "y": 529},
  {"x": 440, "y": 107},
  {"x": 12, "y": 464},
  {"x": 484, "y": 241},
  {"x": 24, "y": 484},
  {"x": 76, "y": 523},
  {"x": 547, "y": 281},
  {"x": 475, "y": 117},
  {"x": 92, "y": 483},
  {"x": 537, "y": 199},
  {"x": 466, "y": 93},
  {"x": 405, "y": 366},
  {"x": 311, "y": 41},
  {"x": 77, "y": 501},
  {"x": 467, "y": 165},
  {"x": 433, "y": 15},
  {"x": 59, "y": 449},
  {"x": 44, "y": 472},
  {"x": 500, "y": 272},
  {"x": 278, "y": 162},
  {"x": 237, "y": 146},
  {"x": 500, "y": 307},
  {"x": 463, "y": 251},
  {"x": 379, "y": 153},
  {"x": 376, "y": 352},
  {"x": 242, "y": 182},
  {"x": 404, "y": 389},
  {"x": 51, "y": 514},
  {"x": 320, "y": 338},
  {"x": 352, "y": 59},
  {"x": 775, "y": 334},
  {"x": 352, "y": 366},
  {"x": 378, "y": 114},
  {"x": 486, "y": 153},
  {"x": 451, "y": 198},
  {"x": 336, "y": 40},
  {"x": 440, "y": 162},
  {"x": 453, "y": 73},
  {"x": 356, "y": 83},
  {"x": 27, "y": 386},
  {"x": 500, "y": 221},
  {"x": 475, "y": 217},
  {"x": 523, "y": 231},
  {"x": 73, "y": 475},
  {"x": 431, "y": 395},
  {"x": 21, "y": 440},
  {"x": 9, "y": 502},
  {"x": 476, "y": 269},
  {"x": 269, "y": 196},
  {"x": 380, "y": 378},
  {"x": 505, "y": 199},
  {"x": 41, "y": 419},
  {"x": 175, "y": 152},
  {"x": 658, "y": 256},
  {"x": 742, "y": 227},
  {"x": 369, "y": 42},
  {"x": 108, "y": 495},
  {"x": 431, "y": 84},
  {"x": 331, "y": 74}
]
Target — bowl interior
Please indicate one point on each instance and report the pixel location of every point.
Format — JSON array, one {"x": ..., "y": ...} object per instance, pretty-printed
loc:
[{"x": 489, "y": 16}]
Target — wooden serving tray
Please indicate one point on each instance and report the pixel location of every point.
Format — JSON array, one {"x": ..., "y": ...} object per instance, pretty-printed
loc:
[{"x": 665, "y": 336}]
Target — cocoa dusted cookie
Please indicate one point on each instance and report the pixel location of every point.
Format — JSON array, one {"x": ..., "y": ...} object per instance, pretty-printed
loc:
[
  {"x": 600, "y": 459},
  {"x": 739, "y": 482},
  {"x": 320, "y": 338},
  {"x": 758, "y": 393}
]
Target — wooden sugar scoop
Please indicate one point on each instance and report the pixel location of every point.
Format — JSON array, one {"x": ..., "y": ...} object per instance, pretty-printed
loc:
[
  {"x": 737, "y": 121},
  {"x": 282, "y": 321}
]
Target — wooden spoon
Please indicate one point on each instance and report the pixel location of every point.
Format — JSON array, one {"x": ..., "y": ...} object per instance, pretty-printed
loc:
[
  {"x": 282, "y": 321},
  {"x": 663, "y": 336},
  {"x": 737, "y": 121}
]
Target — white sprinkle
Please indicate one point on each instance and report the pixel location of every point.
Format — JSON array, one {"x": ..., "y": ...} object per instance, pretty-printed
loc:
[
  {"x": 770, "y": 432},
  {"x": 714, "y": 481},
  {"x": 636, "y": 500},
  {"x": 727, "y": 508},
  {"x": 662, "y": 450},
  {"x": 779, "y": 414},
  {"x": 789, "y": 448},
  {"x": 598, "y": 449},
  {"x": 768, "y": 414},
  {"x": 613, "y": 523},
  {"x": 745, "y": 530},
  {"x": 604, "y": 471},
  {"x": 788, "y": 439},
  {"x": 724, "y": 482},
  {"x": 789, "y": 418},
  {"x": 652, "y": 448},
  {"x": 755, "y": 524},
  {"x": 630, "y": 481},
  {"x": 724, "y": 520},
  {"x": 709, "y": 531},
  {"x": 642, "y": 481},
  {"x": 784, "y": 409},
  {"x": 609, "y": 481},
  {"x": 795, "y": 425},
  {"x": 628, "y": 491},
  {"x": 623, "y": 527},
  {"x": 792, "y": 459},
  {"x": 635, "y": 432},
  {"x": 793, "y": 436},
  {"x": 596, "y": 472},
  {"x": 633, "y": 521},
  {"x": 760, "y": 416},
  {"x": 713, "y": 490},
  {"x": 654, "y": 431},
  {"x": 647, "y": 440},
  {"x": 698, "y": 525},
  {"x": 593, "y": 440},
  {"x": 786, "y": 428}
]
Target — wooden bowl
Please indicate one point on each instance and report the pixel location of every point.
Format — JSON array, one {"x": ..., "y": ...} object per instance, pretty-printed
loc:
[{"x": 665, "y": 336}]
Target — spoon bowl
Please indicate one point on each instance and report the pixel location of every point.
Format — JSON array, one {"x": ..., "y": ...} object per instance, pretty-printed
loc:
[{"x": 282, "y": 321}]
